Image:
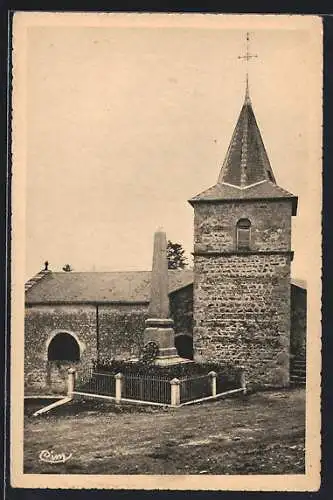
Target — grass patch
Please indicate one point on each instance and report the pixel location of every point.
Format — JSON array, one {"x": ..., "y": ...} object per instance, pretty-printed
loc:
[{"x": 260, "y": 434}]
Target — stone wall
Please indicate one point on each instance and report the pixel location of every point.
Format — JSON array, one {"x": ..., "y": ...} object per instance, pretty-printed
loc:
[
  {"x": 115, "y": 333},
  {"x": 41, "y": 324},
  {"x": 242, "y": 301},
  {"x": 298, "y": 321},
  {"x": 102, "y": 331},
  {"x": 121, "y": 330}
]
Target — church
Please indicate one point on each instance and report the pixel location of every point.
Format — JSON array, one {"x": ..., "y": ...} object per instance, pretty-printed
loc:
[{"x": 238, "y": 304}]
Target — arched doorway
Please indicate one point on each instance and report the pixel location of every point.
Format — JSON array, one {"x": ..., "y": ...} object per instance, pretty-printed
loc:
[
  {"x": 63, "y": 352},
  {"x": 184, "y": 346},
  {"x": 63, "y": 347}
]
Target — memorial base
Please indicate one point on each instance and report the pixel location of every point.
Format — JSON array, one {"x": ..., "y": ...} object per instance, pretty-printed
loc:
[{"x": 161, "y": 332}]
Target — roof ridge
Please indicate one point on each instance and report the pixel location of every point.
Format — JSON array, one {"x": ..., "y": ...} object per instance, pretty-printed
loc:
[
  {"x": 35, "y": 279},
  {"x": 244, "y": 147},
  {"x": 61, "y": 273},
  {"x": 99, "y": 272}
]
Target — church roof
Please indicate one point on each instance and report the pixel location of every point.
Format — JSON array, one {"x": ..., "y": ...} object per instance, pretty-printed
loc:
[
  {"x": 262, "y": 190},
  {"x": 100, "y": 287},
  {"x": 299, "y": 283},
  {"x": 32, "y": 281},
  {"x": 246, "y": 173},
  {"x": 105, "y": 287}
]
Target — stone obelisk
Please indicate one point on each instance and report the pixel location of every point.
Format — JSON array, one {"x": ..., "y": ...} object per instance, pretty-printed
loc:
[{"x": 159, "y": 325}]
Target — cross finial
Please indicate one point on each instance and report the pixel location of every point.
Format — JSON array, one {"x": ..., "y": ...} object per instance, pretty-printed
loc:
[{"x": 247, "y": 57}]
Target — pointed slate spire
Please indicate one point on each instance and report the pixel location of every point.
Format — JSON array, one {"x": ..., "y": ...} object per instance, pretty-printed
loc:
[
  {"x": 246, "y": 172},
  {"x": 246, "y": 161}
]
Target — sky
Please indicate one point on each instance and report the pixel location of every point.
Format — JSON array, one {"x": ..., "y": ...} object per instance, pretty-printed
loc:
[{"x": 125, "y": 122}]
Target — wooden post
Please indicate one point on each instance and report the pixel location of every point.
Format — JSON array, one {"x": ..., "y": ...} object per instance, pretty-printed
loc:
[
  {"x": 175, "y": 392},
  {"x": 119, "y": 378},
  {"x": 70, "y": 381},
  {"x": 213, "y": 376},
  {"x": 242, "y": 379}
]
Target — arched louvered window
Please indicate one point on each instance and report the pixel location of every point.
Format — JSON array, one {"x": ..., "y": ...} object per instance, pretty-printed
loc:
[{"x": 243, "y": 234}]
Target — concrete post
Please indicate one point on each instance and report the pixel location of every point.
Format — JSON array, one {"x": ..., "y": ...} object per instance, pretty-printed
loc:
[
  {"x": 70, "y": 381},
  {"x": 213, "y": 376},
  {"x": 242, "y": 379},
  {"x": 175, "y": 392},
  {"x": 119, "y": 379}
]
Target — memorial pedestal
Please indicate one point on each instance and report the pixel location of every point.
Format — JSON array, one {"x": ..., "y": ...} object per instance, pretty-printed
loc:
[{"x": 161, "y": 332}]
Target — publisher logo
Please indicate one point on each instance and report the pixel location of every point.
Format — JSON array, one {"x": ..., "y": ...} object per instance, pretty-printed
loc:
[{"x": 51, "y": 457}]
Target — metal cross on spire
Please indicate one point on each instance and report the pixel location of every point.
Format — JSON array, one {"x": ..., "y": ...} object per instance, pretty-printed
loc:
[{"x": 247, "y": 57}]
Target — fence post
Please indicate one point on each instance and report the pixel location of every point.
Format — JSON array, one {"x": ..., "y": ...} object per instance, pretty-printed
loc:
[
  {"x": 70, "y": 381},
  {"x": 119, "y": 379},
  {"x": 175, "y": 392},
  {"x": 242, "y": 379},
  {"x": 213, "y": 376}
]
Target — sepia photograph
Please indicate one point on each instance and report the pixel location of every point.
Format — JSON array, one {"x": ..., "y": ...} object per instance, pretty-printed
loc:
[{"x": 166, "y": 251}]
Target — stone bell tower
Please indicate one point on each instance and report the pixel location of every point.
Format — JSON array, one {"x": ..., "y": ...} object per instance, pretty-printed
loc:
[{"x": 242, "y": 256}]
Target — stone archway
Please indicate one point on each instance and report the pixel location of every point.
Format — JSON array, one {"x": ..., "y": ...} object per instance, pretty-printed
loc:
[
  {"x": 184, "y": 346},
  {"x": 63, "y": 352},
  {"x": 63, "y": 347}
]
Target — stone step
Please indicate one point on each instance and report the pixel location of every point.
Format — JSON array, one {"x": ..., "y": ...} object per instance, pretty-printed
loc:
[
  {"x": 298, "y": 361},
  {"x": 294, "y": 369},
  {"x": 298, "y": 372},
  {"x": 298, "y": 364},
  {"x": 295, "y": 379}
]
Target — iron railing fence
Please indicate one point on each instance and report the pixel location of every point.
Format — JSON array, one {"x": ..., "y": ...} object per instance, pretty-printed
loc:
[
  {"x": 224, "y": 383},
  {"x": 83, "y": 376},
  {"x": 93, "y": 382},
  {"x": 192, "y": 388},
  {"x": 146, "y": 388},
  {"x": 154, "y": 388}
]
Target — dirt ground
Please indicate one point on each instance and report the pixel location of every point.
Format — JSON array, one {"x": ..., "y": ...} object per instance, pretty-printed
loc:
[{"x": 262, "y": 433}]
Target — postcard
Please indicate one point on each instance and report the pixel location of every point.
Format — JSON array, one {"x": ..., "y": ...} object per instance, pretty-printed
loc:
[{"x": 166, "y": 251}]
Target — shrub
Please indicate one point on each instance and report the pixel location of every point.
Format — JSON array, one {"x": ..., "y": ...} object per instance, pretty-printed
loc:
[{"x": 182, "y": 370}]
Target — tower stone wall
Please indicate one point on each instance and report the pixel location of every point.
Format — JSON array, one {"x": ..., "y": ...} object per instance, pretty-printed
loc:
[
  {"x": 242, "y": 298},
  {"x": 215, "y": 225}
]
